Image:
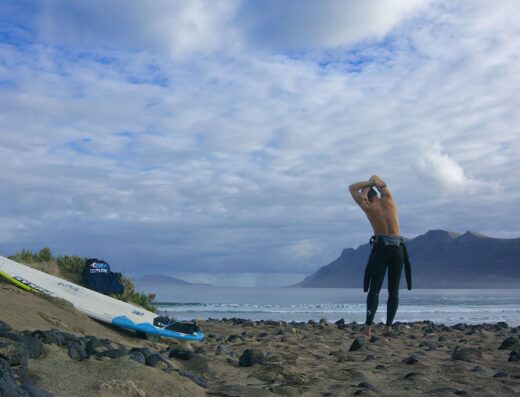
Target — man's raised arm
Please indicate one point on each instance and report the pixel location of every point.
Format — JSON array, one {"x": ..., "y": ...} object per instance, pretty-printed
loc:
[
  {"x": 360, "y": 197},
  {"x": 381, "y": 186}
]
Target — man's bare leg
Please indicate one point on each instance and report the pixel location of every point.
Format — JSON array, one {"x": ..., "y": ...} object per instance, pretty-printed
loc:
[{"x": 367, "y": 331}]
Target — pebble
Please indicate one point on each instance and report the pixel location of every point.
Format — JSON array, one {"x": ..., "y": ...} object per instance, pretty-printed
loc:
[
  {"x": 77, "y": 351},
  {"x": 181, "y": 354},
  {"x": 413, "y": 359},
  {"x": 250, "y": 357},
  {"x": 465, "y": 354},
  {"x": 359, "y": 343},
  {"x": 514, "y": 356},
  {"x": 508, "y": 342}
]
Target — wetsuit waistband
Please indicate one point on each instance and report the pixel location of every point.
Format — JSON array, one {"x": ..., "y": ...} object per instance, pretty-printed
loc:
[{"x": 387, "y": 240}]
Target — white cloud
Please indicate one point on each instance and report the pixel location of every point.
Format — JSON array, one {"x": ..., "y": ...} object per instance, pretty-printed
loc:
[
  {"x": 328, "y": 23},
  {"x": 235, "y": 160},
  {"x": 438, "y": 167}
]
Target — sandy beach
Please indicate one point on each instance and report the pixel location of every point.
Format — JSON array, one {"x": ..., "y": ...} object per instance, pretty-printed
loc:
[{"x": 239, "y": 357}]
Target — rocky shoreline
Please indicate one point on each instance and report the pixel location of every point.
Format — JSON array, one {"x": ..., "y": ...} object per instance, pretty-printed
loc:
[
  {"x": 47, "y": 348},
  {"x": 260, "y": 358}
]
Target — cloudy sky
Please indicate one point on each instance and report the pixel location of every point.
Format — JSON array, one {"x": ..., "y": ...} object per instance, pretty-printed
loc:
[{"x": 215, "y": 140}]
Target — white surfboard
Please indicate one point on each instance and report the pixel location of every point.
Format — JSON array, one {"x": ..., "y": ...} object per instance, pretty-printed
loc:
[{"x": 95, "y": 305}]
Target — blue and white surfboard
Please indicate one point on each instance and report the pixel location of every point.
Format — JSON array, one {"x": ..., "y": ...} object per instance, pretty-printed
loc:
[{"x": 95, "y": 305}]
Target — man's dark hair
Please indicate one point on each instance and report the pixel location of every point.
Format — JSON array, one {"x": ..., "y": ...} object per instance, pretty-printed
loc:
[{"x": 371, "y": 193}]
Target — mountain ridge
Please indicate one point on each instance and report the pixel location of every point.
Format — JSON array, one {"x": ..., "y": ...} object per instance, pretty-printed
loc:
[{"x": 440, "y": 259}]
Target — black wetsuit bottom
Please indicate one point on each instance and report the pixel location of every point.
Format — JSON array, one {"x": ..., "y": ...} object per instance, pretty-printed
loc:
[{"x": 381, "y": 257}]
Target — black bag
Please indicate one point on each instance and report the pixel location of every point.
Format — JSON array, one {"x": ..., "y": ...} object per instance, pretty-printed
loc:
[{"x": 97, "y": 276}]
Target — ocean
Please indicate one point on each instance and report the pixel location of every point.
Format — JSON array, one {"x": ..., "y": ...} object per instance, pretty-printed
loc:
[{"x": 444, "y": 306}]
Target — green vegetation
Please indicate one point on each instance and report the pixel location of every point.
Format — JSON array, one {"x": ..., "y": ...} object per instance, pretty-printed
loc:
[{"x": 70, "y": 267}]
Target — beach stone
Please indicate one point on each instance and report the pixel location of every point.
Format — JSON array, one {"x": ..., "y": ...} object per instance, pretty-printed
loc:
[
  {"x": 5, "y": 329},
  {"x": 52, "y": 336},
  {"x": 312, "y": 322},
  {"x": 441, "y": 338},
  {"x": 374, "y": 338},
  {"x": 91, "y": 344},
  {"x": 181, "y": 354},
  {"x": 77, "y": 351},
  {"x": 359, "y": 343},
  {"x": 368, "y": 386},
  {"x": 514, "y": 356},
  {"x": 501, "y": 374},
  {"x": 465, "y": 354},
  {"x": 479, "y": 369},
  {"x": 221, "y": 349},
  {"x": 370, "y": 357},
  {"x": 412, "y": 375},
  {"x": 508, "y": 342},
  {"x": 33, "y": 346},
  {"x": 153, "y": 359},
  {"x": 14, "y": 354},
  {"x": 8, "y": 386},
  {"x": 248, "y": 323},
  {"x": 263, "y": 334},
  {"x": 137, "y": 356},
  {"x": 34, "y": 391},
  {"x": 413, "y": 359},
  {"x": 380, "y": 366},
  {"x": 503, "y": 324},
  {"x": 250, "y": 357},
  {"x": 114, "y": 353},
  {"x": 234, "y": 337},
  {"x": 341, "y": 321},
  {"x": 274, "y": 323},
  {"x": 200, "y": 350},
  {"x": 460, "y": 327},
  {"x": 118, "y": 387},
  {"x": 199, "y": 380},
  {"x": 429, "y": 345}
]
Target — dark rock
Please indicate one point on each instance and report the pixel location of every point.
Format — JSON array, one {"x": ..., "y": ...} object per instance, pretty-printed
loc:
[
  {"x": 444, "y": 389},
  {"x": 8, "y": 386},
  {"x": 429, "y": 345},
  {"x": 221, "y": 349},
  {"x": 374, "y": 338},
  {"x": 460, "y": 327},
  {"x": 368, "y": 386},
  {"x": 14, "y": 354},
  {"x": 479, "y": 369},
  {"x": 33, "y": 345},
  {"x": 359, "y": 343},
  {"x": 280, "y": 332},
  {"x": 248, "y": 323},
  {"x": 250, "y": 357},
  {"x": 52, "y": 336},
  {"x": 137, "y": 356},
  {"x": 114, "y": 353},
  {"x": 200, "y": 350},
  {"x": 312, "y": 322},
  {"x": 274, "y": 323},
  {"x": 503, "y": 324},
  {"x": 466, "y": 354},
  {"x": 501, "y": 374},
  {"x": 370, "y": 357},
  {"x": 412, "y": 337},
  {"x": 234, "y": 337},
  {"x": 514, "y": 356},
  {"x": 77, "y": 351},
  {"x": 412, "y": 375},
  {"x": 5, "y": 329},
  {"x": 380, "y": 366},
  {"x": 441, "y": 338},
  {"x": 91, "y": 344},
  {"x": 263, "y": 334},
  {"x": 153, "y": 359},
  {"x": 181, "y": 354},
  {"x": 413, "y": 359},
  {"x": 199, "y": 380},
  {"x": 508, "y": 342},
  {"x": 340, "y": 322},
  {"x": 34, "y": 391}
]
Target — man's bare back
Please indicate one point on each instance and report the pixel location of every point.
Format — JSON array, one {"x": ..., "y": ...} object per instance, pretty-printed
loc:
[{"x": 381, "y": 212}]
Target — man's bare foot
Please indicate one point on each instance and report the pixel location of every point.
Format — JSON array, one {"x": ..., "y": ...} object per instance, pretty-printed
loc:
[
  {"x": 367, "y": 331},
  {"x": 387, "y": 331}
]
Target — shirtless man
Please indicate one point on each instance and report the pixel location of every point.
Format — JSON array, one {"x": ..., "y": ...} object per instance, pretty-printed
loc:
[{"x": 388, "y": 249}]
